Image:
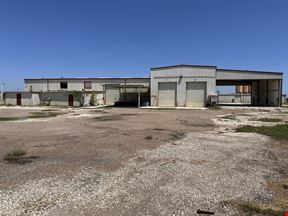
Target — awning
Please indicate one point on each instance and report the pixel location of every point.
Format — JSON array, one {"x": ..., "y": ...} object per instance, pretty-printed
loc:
[{"x": 134, "y": 88}]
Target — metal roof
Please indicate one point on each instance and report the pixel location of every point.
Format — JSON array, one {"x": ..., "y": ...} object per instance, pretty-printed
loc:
[
  {"x": 183, "y": 65},
  {"x": 218, "y": 69},
  {"x": 247, "y": 71}
]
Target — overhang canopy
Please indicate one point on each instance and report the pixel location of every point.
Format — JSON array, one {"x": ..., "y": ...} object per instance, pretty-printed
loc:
[
  {"x": 226, "y": 74},
  {"x": 134, "y": 88}
]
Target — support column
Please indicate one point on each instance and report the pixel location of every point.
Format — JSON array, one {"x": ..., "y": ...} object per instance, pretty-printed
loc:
[
  {"x": 104, "y": 94},
  {"x": 139, "y": 99},
  {"x": 267, "y": 98},
  {"x": 280, "y": 93}
]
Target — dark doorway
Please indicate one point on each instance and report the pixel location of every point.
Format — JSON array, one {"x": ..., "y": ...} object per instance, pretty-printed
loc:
[
  {"x": 18, "y": 97},
  {"x": 70, "y": 100}
]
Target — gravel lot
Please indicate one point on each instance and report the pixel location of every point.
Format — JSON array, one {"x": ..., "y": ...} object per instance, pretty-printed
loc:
[{"x": 138, "y": 162}]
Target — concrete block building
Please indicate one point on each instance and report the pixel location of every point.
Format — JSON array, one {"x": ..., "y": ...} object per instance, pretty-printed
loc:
[
  {"x": 108, "y": 91},
  {"x": 170, "y": 86}
]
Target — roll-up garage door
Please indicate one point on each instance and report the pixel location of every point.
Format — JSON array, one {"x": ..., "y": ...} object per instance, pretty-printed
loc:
[
  {"x": 195, "y": 94},
  {"x": 167, "y": 94},
  {"x": 112, "y": 94}
]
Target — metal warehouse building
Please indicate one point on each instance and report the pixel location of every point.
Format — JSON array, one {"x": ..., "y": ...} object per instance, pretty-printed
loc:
[
  {"x": 191, "y": 85},
  {"x": 170, "y": 86}
]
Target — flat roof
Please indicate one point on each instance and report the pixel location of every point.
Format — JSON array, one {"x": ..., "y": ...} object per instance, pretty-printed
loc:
[{"x": 88, "y": 78}]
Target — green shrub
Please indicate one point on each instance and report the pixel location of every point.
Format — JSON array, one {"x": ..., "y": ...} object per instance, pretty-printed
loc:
[
  {"x": 78, "y": 96},
  {"x": 93, "y": 99}
]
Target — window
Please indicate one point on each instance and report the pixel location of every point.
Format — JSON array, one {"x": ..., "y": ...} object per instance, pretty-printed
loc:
[
  {"x": 63, "y": 85},
  {"x": 87, "y": 85}
]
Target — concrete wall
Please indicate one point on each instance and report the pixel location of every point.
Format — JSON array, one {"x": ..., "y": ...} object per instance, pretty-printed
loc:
[
  {"x": 254, "y": 94},
  {"x": 57, "y": 98},
  {"x": 36, "y": 86},
  {"x": 269, "y": 93},
  {"x": 263, "y": 93},
  {"x": 284, "y": 99},
  {"x": 274, "y": 95},
  {"x": 182, "y": 75},
  {"x": 77, "y": 85},
  {"x": 1, "y": 99},
  {"x": 234, "y": 98},
  {"x": 61, "y": 98},
  {"x": 27, "y": 98}
]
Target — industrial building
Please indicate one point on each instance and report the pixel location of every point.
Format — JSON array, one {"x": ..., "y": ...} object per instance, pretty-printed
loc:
[
  {"x": 170, "y": 86},
  {"x": 59, "y": 91}
]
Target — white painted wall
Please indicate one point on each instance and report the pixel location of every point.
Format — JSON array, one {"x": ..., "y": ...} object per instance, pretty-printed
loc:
[
  {"x": 269, "y": 93},
  {"x": 78, "y": 85},
  {"x": 234, "y": 98},
  {"x": 27, "y": 98},
  {"x": 1, "y": 99},
  {"x": 273, "y": 93}
]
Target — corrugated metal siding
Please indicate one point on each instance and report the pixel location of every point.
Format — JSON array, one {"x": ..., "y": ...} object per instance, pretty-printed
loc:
[
  {"x": 195, "y": 94},
  {"x": 112, "y": 95},
  {"x": 181, "y": 76},
  {"x": 167, "y": 94},
  {"x": 245, "y": 75}
]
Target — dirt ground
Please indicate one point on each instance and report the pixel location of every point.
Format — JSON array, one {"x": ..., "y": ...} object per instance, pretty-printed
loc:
[{"x": 125, "y": 161}]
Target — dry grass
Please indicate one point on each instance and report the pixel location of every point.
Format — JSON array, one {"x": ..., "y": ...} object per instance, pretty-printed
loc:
[
  {"x": 50, "y": 110},
  {"x": 280, "y": 189},
  {"x": 149, "y": 137},
  {"x": 14, "y": 154},
  {"x": 252, "y": 208},
  {"x": 44, "y": 114},
  {"x": 230, "y": 117},
  {"x": 159, "y": 129},
  {"x": 8, "y": 119}
]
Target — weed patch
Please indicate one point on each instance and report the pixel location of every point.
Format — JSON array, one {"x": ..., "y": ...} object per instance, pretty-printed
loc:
[
  {"x": 252, "y": 208},
  {"x": 14, "y": 155},
  {"x": 44, "y": 114},
  {"x": 50, "y": 110},
  {"x": 280, "y": 189},
  {"x": 277, "y": 132},
  {"x": 216, "y": 107},
  {"x": 267, "y": 119},
  {"x": 149, "y": 137},
  {"x": 109, "y": 118},
  {"x": 159, "y": 129},
  {"x": 8, "y": 119},
  {"x": 229, "y": 117}
]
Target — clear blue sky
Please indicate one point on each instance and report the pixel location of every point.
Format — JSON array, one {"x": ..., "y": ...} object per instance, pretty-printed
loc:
[{"x": 107, "y": 38}]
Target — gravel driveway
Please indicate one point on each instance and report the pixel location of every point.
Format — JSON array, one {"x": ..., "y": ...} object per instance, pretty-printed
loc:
[{"x": 205, "y": 170}]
